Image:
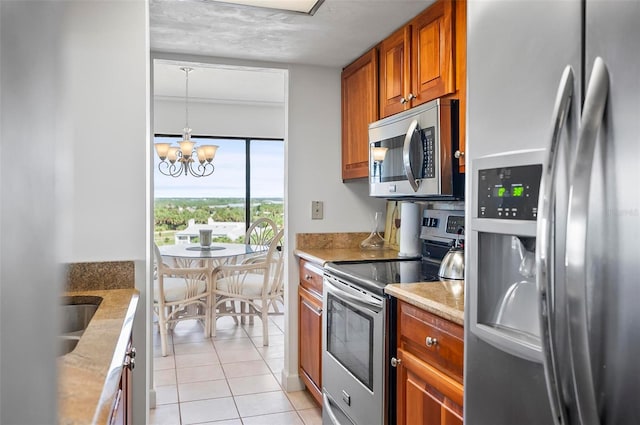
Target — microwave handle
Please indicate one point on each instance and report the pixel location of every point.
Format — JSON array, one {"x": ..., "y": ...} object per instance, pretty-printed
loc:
[{"x": 406, "y": 154}]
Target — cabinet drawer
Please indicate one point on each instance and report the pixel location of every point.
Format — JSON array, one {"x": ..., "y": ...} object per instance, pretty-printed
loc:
[
  {"x": 311, "y": 276},
  {"x": 431, "y": 338}
]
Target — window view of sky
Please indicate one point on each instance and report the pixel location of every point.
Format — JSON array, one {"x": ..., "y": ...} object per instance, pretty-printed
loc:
[{"x": 228, "y": 179}]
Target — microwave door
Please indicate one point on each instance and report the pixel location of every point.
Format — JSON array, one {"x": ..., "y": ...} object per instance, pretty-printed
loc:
[{"x": 386, "y": 160}]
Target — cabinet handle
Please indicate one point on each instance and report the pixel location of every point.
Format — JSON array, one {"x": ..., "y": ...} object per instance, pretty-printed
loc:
[
  {"x": 431, "y": 342},
  {"x": 307, "y": 277},
  {"x": 130, "y": 363},
  {"x": 458, "y": 154},
  {"x": 312, "y": 307},
  {"x": 409, "y": 97},
  {"x": 395, "y": 362}
]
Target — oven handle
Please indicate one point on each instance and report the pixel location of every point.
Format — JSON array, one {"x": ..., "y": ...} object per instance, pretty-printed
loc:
[
  {"x": 361, "y": 300},
  {"x": 327, "y": 408}
]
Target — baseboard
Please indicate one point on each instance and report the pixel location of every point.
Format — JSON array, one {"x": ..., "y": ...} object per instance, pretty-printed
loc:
[
  {"x": 152, "y": 398},
  {"x": 291, "y": 382}
]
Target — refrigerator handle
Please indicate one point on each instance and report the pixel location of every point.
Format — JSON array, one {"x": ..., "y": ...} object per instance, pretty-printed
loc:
[
  {"x": 406, "y": 154},
  {"x": 544, "y": 233},
  {"x": 576, "y": 243}
]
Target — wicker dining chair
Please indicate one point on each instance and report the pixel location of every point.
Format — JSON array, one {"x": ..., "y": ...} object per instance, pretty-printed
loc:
[
  {"x": 261, "y": 232},
  {"x": 258, "y": 285},
  {"x": 180, "y": 294}
]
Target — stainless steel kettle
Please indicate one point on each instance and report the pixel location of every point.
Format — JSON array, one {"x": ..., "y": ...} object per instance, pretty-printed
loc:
[{"x": 452, "y": 266}]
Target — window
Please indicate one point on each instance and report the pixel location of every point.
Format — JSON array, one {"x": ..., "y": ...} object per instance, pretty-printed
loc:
[{"x": 248, "y": 183}]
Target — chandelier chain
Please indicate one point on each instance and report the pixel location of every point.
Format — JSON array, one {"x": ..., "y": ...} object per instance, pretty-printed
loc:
[{"x": 186, "y": 96}]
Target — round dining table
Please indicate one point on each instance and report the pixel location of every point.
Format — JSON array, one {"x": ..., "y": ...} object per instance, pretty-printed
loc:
[{"x": 216, "y": 254}]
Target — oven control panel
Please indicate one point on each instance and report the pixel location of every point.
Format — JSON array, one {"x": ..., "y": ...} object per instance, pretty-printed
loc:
[{"x": 442, "y": 225}]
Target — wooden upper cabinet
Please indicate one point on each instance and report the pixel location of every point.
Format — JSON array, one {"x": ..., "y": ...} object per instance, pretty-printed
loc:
[
  {"x": 432, "y": 49},
  {"x": 359, "y": 109},
  {"x": 394, "y": 72},
  {"x": 417, "y": 61},
  {"x": 422, "y": 61},
  {"x": 460, "y": 56}
]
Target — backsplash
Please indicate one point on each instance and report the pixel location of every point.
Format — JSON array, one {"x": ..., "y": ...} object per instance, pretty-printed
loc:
[
  {"x": 330, "y": 240},
  {"x": 100, "y": 276}
]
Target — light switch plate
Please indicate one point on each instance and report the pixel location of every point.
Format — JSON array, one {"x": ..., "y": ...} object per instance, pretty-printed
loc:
[{"x": 316, "y": 210}]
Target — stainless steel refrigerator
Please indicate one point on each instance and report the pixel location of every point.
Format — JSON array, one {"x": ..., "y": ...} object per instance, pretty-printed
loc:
[{"x": 552, "y": 308}]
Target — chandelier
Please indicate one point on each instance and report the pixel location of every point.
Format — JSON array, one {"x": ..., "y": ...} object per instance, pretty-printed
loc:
[{"x": 186, "y": 158}]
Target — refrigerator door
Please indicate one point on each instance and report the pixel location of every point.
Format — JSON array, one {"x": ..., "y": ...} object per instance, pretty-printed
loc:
[
  {"x": 516, "y": 55},
  {"x": 611, "y": 287}
]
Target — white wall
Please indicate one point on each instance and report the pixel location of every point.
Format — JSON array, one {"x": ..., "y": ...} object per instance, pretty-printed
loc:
[
  {"x": 314, "y": 173},
  {"x": 106, "y": 57},
  {"x": 220, "y": 119},
  {"x": 30, "y": 273},
  {"x": 74, "y": 161}
]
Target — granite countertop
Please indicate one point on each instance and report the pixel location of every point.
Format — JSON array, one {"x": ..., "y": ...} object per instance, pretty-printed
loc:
[
  {"x": 443, "y": 298},
  {"x": 89, "y": 376},
  {"x": 325, "y": 255}
]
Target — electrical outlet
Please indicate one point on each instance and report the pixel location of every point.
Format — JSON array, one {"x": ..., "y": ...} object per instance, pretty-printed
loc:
[{"x": 316, "y": 210}]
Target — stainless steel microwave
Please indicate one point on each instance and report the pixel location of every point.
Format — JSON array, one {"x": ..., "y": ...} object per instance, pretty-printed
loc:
[{"x": 412, "y": 154}]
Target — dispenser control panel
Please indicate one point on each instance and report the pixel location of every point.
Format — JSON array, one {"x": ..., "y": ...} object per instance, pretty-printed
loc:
[{"x": 509, "y": 192}]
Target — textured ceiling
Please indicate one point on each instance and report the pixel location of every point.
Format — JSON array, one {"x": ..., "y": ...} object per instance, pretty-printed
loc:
[{"x": 339, "y": 32}]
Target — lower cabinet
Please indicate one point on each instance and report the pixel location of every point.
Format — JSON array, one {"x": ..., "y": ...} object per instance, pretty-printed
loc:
[
  {"x": 310, "y": 328},
  {"x": 121, "y": 413},
  {"x": 429, "y": 362}
]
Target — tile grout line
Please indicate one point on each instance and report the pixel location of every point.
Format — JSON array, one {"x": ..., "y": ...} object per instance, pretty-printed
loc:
[
  {"x": 226, "y": 381},
  {"x": 264, "y": 359}
]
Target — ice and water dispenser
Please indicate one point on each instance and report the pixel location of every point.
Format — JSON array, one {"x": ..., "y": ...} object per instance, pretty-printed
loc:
[{"x": 501, "y": 241}]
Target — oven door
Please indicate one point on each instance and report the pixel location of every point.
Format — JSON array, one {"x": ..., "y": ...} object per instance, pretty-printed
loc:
[{"x": 352, "y": 354}]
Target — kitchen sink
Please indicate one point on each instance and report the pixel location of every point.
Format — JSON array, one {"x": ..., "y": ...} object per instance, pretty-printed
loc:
[{"x": 76, "y": 314}]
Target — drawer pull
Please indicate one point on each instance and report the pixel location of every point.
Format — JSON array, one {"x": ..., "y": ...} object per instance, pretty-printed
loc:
[
  {"x": 431, "y": 342},
  {"x": 307, "y": 276},
  {"x": 313, "y": 307},
  {"x": 395, "y": 362}
]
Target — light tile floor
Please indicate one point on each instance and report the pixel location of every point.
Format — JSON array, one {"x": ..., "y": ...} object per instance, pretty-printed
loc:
[{"x": 231, "y": 379}]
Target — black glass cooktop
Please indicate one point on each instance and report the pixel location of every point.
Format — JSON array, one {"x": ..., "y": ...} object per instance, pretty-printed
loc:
[{"x": 375, "y": 275}]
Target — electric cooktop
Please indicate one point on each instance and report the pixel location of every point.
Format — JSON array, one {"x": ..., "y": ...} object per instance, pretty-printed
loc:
[{"x": 375, "y": 275}]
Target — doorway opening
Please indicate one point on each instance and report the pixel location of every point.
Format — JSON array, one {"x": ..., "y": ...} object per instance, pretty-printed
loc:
[{"x": 242, "y": 110}]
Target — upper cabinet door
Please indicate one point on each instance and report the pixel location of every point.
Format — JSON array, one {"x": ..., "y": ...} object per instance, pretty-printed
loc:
[
  {"x": 417, "y": 61},
  {"x": 432, "y": 53},
  {"x": 395, "y": 80},
  {"x": 359, "y": 109}
]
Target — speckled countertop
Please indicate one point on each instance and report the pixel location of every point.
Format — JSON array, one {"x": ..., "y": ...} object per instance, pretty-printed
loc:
[
  {"x": 89, "y": 375},
  {"x": 324, "y": 255},
  {"x": 321, "y": 248},
  {"x": 443, "y": 298}
]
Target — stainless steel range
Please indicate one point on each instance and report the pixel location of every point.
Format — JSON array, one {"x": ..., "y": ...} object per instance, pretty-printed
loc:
[{"x": 358, "y": 338}]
